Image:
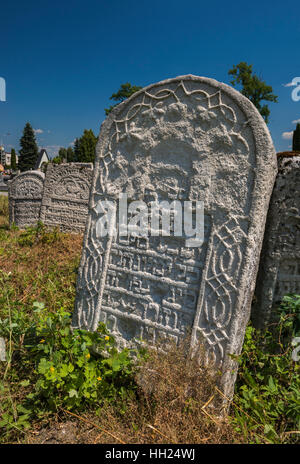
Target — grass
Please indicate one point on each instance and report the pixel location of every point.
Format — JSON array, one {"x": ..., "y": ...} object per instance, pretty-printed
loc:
[{"x": 169, "y": 400}]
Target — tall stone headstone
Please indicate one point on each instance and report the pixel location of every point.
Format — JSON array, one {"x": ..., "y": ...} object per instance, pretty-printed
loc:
[
  {"x": 25, "y": 193},
  {"x": 66, "y": 195},
  {"x": 279, "y": 269},
  {"x": 188, "y": 138}
]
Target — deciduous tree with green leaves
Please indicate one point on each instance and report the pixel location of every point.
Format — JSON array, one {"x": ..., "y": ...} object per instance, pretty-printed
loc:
[
  {"x": 29, "y": 149},
  {"x": 252, "y": 87},
  {"x": 125, "y": 91}
]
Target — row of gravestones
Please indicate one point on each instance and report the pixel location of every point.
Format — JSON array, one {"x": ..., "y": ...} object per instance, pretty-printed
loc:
[
  {"x": 58, "y": 199},
  {"x": 188, "y": 138}
]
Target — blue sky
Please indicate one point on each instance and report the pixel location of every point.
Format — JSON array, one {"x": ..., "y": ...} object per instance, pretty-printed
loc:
[{"x": 63, "y": 59}]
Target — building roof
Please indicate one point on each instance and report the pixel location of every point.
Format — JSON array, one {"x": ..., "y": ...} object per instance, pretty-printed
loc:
[{"x": 39, "y": 159}]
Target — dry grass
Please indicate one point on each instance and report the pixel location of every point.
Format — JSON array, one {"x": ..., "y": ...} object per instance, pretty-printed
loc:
[
  {"x": 173, "y": 402},
  {"x": 173, "y": 405}
]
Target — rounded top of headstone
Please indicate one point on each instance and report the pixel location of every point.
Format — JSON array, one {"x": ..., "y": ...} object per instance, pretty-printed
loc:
[
  {"x": 37, "y": 173},
  {"x": 72, "y": 165},
  {"x": 197, "y": 92},
  {"x": 245, "y": 104},
  {"x": 28, "y": 184}
]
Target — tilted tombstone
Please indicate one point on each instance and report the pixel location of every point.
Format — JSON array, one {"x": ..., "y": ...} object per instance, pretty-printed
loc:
[
  {"x": 188, "y": 138},
  {"x": 25, "y": 193},
  {"x": 279, "y": 268},
  {"x": 66, "y": 195}
]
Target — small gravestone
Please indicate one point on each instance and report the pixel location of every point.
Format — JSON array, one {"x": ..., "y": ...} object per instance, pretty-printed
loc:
[
  {"x": 279, "y": 269},
  {"x": 188, "y": 139},
  {"x": 25, "y": 196},
  {"x": 66, "y": 195}
]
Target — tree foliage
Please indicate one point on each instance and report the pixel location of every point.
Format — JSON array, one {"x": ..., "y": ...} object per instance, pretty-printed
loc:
[
  {"x": 29, "y": 149},
  {"x": 253, "y": 87},
  {"x": 125, "y": 91},
  {"x": 65, "y": 155},
  {"x": 13, "y": 160},
  {"x": 296, "y": 138},
  {"x": 83, "y": 152}
]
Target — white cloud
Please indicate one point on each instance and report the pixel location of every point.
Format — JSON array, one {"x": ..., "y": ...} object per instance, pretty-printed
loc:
[
  {"x": 289, "y": 84},
  {"x": 38, "y": 131},
  {"x": 52, "y": 150},
  {"x": 296, "y": 121},
  {"x": 287, "y": 135}
]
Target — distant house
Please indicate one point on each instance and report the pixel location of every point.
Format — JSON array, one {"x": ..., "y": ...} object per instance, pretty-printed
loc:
[
  {"x": 42, "y": 160},
  {"x": 5, "y": 157}
]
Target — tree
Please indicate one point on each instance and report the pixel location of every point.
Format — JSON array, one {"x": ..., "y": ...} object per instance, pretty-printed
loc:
[
  {"x": 70, "y": 155},
  {"x": 125, "y": 91},
  {"x": 86, "y": 147},
  {"x": 83, "y": 152},
  {"x": 296, "y": 138},
  {"x": 253, "y": 87},
  {"x": 76, "y": 150},
  {"x": 13, "y": 160},
  {"x": 29, "y": 149},
  {"x": 62, "y": 154},
  {"x": 65, "y": 155}
]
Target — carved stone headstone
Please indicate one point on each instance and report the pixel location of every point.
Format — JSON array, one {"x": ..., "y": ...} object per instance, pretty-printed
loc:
[
  {"x": 25, "y": 193},
  {"x": 279, "y": 268},
  {"x": 188, "y": 138},
  {"x": 66, "y": 195}
]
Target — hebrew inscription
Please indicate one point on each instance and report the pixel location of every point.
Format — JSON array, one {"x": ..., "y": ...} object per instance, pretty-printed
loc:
[
  {"x": 279, "y": 272},
  {"x": 25, "y": 197},
  {"x": 66, "y": 195},
  {"x": 184, "y": 139}
]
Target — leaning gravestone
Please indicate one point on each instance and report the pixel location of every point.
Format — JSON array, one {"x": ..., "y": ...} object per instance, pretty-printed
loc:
[
  {"x": 188, "y": 138},
  {"x": 25, "y": 196},
  {"x": 66, "y": 195},
  {"x": 279, "y": 269}
]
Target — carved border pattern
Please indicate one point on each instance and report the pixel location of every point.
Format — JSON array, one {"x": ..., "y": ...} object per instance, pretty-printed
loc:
[{"x": 211, "y": 318}]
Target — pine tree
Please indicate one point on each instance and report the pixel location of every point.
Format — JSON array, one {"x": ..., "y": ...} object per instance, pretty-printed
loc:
[
  {"x": 76, "y": 151},
  {"x": 296, "y": 138},
  {"x": 29, "y": 149},
  {"x": 13, "y": 160}
]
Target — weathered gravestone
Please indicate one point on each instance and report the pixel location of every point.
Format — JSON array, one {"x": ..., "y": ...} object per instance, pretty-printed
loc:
[
  {"x": 188, "y": 138},
  {"x": 279, "y": 269},
  {"x": 25, "y": 193},
  {"x": 66, "y": 195}
]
